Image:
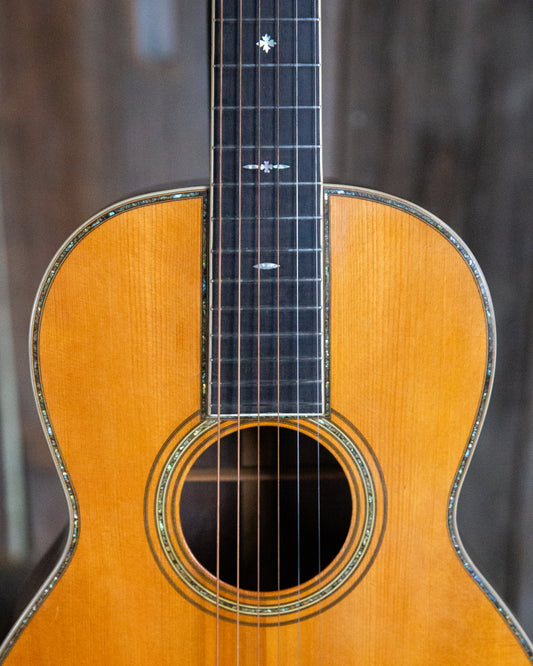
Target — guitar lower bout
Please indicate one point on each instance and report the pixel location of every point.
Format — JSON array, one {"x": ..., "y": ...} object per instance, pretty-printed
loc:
[{"x": 119, "y": 359}]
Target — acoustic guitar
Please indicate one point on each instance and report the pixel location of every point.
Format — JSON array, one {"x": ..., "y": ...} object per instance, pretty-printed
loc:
[{"x": 262, "y": 398}]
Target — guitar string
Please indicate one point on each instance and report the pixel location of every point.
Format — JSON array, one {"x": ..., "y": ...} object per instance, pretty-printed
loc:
[
  {"x": 319, "y": 301},
  {"x": 258, "y": 443},
  {"x": 278, "y": 259},
  {"x": 238, "y": 521},
  {"x": 219, "y": 321},
  {"x": 297, "y": 210}
]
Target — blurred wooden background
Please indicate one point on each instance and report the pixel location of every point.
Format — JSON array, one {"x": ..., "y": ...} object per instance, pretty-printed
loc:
[{"x": 431, "y": 101}]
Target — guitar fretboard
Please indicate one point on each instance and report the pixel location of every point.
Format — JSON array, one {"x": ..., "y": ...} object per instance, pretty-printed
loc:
[{"x": 266, "y": 343}]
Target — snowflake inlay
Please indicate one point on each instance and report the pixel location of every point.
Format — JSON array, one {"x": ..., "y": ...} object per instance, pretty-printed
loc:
[{"x": 266, "y": 43}]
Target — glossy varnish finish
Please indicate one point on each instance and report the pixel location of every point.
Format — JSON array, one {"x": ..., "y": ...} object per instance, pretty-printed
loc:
[{"x": 119, "y": 363}]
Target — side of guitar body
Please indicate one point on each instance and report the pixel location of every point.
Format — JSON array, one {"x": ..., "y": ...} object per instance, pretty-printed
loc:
[{"x": 118, "y": 344}]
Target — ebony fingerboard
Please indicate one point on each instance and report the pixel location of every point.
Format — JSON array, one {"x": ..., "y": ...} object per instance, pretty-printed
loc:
[{"x": 266, "y": 323}]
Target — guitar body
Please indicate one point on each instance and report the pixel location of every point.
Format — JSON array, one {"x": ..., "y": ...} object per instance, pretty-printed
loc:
[{"x": 117, "y": 353}]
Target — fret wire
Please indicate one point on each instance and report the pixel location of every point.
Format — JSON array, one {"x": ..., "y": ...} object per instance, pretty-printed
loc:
[
  {"x": 257, "y": 339},
  {"x": 264, "y": 359},
  {"x": 269, "y": 409},
  {"x": 261, "y": 334},
  {"x": 249, "y": 409},
  {"x": 266, "y": 308},
  {"x": 294, "y": 65},
  {"x": 268, "y": 405},
  {"x": 272, "y": 382},
  {"x": 288, "y": 146},
  {"x": 267, "y": 20},
  {"x": 252, "y": 250},
  {"x": 284, "y": 183},
  {"x": 267, "y": 107},
  {"x": 263, "y": 280}
]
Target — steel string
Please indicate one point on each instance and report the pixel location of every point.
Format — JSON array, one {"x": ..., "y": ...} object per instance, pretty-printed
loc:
[
  {"x": 258, "y": 448},
  {"x": 319, "y": 312},
  {"x": 219, "y": 316},
  {"x": 278, "y": 369},
  {"x": 239, "y": 272},
  {"x": 297, "y": 201}
]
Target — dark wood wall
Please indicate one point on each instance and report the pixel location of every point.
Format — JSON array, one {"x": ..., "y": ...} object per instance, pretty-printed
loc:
[
  {"x": 428, "y": 100},
  {"x": 433, "y": 101}
]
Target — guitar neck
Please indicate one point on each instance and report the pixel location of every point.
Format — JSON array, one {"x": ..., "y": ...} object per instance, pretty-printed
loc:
[{"x": 266, "y": 232}]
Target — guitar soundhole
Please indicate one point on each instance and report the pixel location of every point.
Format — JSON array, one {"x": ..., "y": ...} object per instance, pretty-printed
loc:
[{"x": 295, "y": 509}]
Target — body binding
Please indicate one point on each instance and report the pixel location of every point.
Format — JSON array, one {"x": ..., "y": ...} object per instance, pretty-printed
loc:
[{"x": 118, "y": 360}]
